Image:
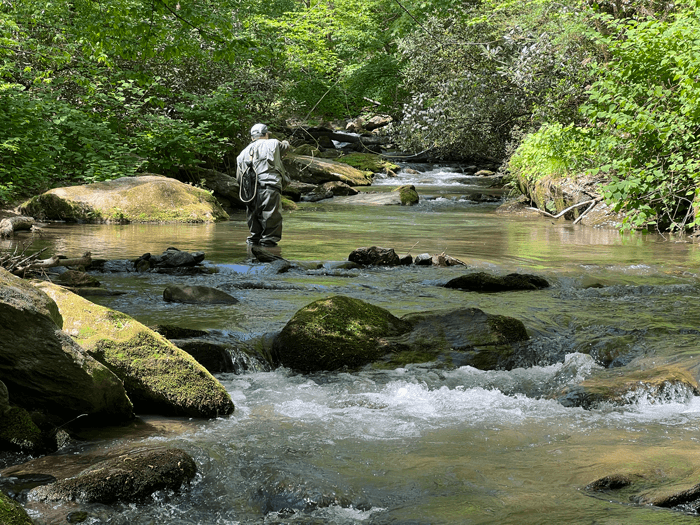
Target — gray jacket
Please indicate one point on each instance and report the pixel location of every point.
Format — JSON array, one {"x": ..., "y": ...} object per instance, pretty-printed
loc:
[{"x": 267, "y": 161}]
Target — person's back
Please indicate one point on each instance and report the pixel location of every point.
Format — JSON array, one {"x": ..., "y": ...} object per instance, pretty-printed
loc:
[
  {"x": 263, "y": 209},
  {"x": 267, "y": 161}
]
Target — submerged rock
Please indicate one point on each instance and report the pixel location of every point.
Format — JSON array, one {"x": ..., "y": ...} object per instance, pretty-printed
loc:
[
  {"x": 484, "y": 282},
  {"x": 43, "y": 368},
  {"x": 131, "y": 477},
  {"x": 618, "y": 387},
  {"x": 159, "y": 377},
  {"x": 197, "y": 295},
  {"x": 466, "y": 336},
  {"x": 331, "y": 333},
  {"x": 78, "y": 279},
  {"x": 147, "y": 198}
]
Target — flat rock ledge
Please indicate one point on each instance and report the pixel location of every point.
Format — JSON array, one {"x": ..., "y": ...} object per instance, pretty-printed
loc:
[{"x": 130, "y": 477}]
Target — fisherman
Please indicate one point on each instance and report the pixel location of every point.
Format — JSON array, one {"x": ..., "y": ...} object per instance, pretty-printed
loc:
[{"x": 262, "y": 178}]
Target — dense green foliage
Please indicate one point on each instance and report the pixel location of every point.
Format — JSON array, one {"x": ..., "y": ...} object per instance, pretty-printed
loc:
[
  {"x": 493, "y": 68},
  {"x": 96, "y": 90},
  {"x": 641, "y": 123}
]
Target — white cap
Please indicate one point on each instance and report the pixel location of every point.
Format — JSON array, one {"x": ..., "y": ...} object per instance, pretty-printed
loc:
[{"x": 258, "y": 131}]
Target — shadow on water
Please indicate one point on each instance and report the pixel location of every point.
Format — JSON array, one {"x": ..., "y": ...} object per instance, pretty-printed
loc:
[{"x": 420, "y": 444}]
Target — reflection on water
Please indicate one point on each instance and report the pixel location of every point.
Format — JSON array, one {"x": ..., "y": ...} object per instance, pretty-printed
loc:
[{"x": 418, "y": 445}]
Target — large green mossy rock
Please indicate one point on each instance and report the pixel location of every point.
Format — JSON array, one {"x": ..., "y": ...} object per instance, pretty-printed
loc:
[
  {"x": 315, "y": 170},
  {"x": 148, "y": 198},
  {"x": 159, "y": 377},
  {"x": 332, "y": 333},
  {"x": 12, "y": 513},
  {"x": 343, "y": 332},
  {"x": 43, "y": 368}
]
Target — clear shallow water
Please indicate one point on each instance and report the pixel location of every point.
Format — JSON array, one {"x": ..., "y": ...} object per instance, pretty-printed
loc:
[{"x": 420, "y": 444}]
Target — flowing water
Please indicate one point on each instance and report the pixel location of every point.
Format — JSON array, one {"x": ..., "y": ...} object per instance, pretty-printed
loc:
[{"x": 421, "y": 444}]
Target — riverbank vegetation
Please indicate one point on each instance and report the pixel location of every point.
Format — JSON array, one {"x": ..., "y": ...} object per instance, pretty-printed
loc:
[{"x": 91, "y": 91}]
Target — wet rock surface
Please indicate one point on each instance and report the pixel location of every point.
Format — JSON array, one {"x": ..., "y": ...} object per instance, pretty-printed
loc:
[
  {"x": 197, "y": 294},
  {"x": 485, "y": 282},
  {"x": 131, "y": 477}
]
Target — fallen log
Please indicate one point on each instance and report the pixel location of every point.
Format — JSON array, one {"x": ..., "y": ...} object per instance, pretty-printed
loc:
[{"x": 12, "y": 224}]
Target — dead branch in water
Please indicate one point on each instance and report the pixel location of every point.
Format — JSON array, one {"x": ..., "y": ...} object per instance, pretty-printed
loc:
[
  {"x": 561, "y": 213},
  {"x": 19, "y": 263}
]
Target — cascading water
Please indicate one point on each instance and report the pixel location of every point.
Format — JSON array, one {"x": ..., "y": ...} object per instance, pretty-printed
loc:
[{"x": 420, "y": 444}]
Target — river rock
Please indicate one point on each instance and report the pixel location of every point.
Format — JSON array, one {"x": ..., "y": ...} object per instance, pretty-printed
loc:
[
  {"x": 375, "y": 256},
  {"x": 315, "y": 170},
  {"x": 10, "y": 225},
  {"x": 466, "y": 336},
  {"x": 4, "y": 399},
  {"x": 12, "y": 513},
  {"x": 159, "y": 377},
  {"x": 331, "y": 333},
  {"x": 43, "y": 368},
  {"x": 19, "y": 433},
  {"x": 131, "y": 477},
  {"x": 78, "y": 279},
  {"x": 170, "y": 331},
  {"x": 212, "y": 356},
  {"x": 484, "y": 282},
  {"x": 197, "y": 294},
  {"x": 147, "y": 198},
  {"x": 619, "y": 387}
]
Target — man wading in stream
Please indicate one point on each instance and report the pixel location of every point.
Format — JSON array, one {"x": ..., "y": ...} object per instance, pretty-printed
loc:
[{"x": 262, "y": 178}]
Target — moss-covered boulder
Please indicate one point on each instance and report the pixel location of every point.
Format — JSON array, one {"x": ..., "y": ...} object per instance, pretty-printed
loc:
[
  {"x": 315, "y": 170},
  {"x": 622, "y": 387},
  {"x": 485, "y": 282},
  {"x": 18, "y": 432},
  {"x": 43, "y": 368},
  {"x": 407, "y": 195},
  {"x": 466, "y": 336},
  {"x": 368, "y": 162},
  {"x": 332, "y": 333},
  {"x": 12, "y": 513},
  {"x": 131, "y": 477},
  {"x": 159, "y": 377},
  {"x": 148, "y": 198}
]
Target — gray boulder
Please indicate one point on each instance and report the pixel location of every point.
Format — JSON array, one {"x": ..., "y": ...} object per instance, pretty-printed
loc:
[
  {"x": 197, "y": 294},
  {"x": 43, "y": 367},
  {"x": 131, "y": 477},
  {"x": 466, "y": 336}
]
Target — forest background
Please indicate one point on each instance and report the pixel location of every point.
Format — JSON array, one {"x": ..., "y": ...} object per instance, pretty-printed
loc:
[{"x": 92, "y": 90}]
